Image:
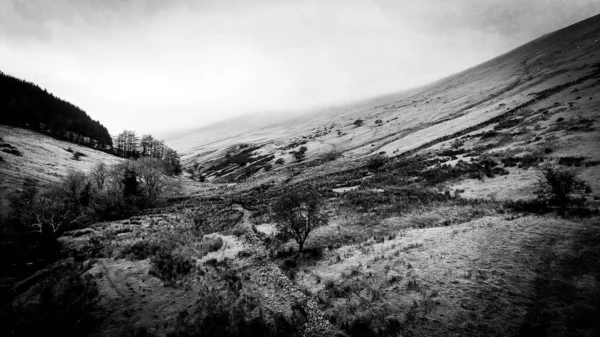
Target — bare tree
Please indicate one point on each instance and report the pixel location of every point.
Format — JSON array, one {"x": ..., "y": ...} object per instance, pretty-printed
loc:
[
  {"x": 146, "y": 144},
  {"x": 99, "y": 174},
  {"x": 298, "y": 213},
  {"x": 72, "y": 186},
  {"x": 119, "y": 144},
  {"x": 151, "y": 175},
  {"x": 55, "y": 216}
]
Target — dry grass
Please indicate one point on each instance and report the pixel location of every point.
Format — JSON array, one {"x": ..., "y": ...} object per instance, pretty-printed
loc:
[
  {"x": 44, "y": 159},
  {"x": 473, "y": 278}
]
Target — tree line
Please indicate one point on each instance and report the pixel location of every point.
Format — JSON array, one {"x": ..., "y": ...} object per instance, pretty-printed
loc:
[
  {"x": 128, "y": 145},
  {"x": 26, "y": 105}
]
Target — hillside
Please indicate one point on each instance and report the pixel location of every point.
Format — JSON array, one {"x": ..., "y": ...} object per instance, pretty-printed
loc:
[
  {"x": 24, "y": 104},
  {"x": 560, "y": 68},
  {"x": 40, "y": 157}
]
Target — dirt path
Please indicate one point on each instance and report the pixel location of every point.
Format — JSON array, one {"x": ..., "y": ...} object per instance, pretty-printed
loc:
[{"x": 278, "y": 288}]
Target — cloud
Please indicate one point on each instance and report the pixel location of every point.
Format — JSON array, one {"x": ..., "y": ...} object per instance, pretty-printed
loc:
[{"x": 154, "y": 65}]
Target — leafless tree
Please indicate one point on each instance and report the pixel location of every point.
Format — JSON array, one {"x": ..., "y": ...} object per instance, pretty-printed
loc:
[
  {"x": 151, "y": 175},
  {"x": 298, "y": 213},
  {"x": 99, "y": 174}
]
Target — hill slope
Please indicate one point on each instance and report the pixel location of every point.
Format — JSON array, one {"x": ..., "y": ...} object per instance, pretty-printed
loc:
[
  {"x": 543, "y": 72},
  {"x": 40, "y": 157}
]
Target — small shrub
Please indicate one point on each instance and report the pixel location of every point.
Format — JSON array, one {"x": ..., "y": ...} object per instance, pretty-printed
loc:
[
  {"x": 280, "y": 161},
  {"x": 300, "y": 154},
  {"x": 413, "y": 285},
  {"x": 556, "y": 185},
  {"x": 77, "y": 155},
  {"x": 489, "y": 134},
  {"x": 143, "y": 249},
  {"x": 211, "y": 244},
  {"x": 377, "y": 161},
  {"x": 234, "y": 312},
  {"x": 244, "y": 254},
  {"x": 509, "y": 123},
  {"x": 359, "y": 123},
  {"x": 169, "y": 266}
]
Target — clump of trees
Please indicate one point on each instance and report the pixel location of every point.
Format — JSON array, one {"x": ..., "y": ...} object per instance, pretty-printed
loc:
[
  {"x": 558, "y": 186},
  {"x": 128, "y": 145},
  {"x": 106, "y": 193},
  {"x": 297, "y": 213}
]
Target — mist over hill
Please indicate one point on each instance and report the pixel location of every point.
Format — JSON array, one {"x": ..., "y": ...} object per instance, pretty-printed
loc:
[{"x": 409, "y": 120}]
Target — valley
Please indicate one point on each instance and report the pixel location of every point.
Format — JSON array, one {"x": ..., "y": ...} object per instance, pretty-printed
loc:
[{"x": 434, "y": 218}]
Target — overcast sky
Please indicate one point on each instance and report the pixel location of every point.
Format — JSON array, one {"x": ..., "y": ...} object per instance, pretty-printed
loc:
[{"x": 154, "y": 65}]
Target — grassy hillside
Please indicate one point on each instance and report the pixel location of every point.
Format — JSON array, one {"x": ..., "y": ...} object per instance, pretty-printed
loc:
[
  {"x": 42, "y": 158},
  {"x": 557, "y": 71}
]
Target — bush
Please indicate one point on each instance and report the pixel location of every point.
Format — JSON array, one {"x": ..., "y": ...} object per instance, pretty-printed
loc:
[
  {"x": 377, "y": 161},
  {"x": 557, "y": 185},
  {"x": 233, "y": 310},
  {"x": 79, "y": 199},
  {"x": 211, "y": 244},
  {"x": 300, "y": 154},
  {"x": 571, "y": 161},
  {"x": 59, "y": 208},
  {"x": 170, "y": 266},
  {"x": 77, "y": 155},
  {"x": 143, "y": 249},
  {"x": 359, "y": 123},
  {"x": 509, "y": 123},
  {"x": 489, "y": 134},
  {"x": 280, "y": 161}
]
